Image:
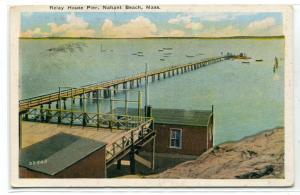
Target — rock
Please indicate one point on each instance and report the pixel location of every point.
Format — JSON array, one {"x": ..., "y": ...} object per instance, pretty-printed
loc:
[{"x": 258, "y": 156}]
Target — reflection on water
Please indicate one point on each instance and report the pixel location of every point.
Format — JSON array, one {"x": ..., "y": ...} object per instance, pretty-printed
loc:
[{"x": 247, "y": 97}]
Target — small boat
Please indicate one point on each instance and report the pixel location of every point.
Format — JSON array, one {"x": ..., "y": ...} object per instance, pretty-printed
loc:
[
  {"x": 167, "y": 53},
  {"x": 134, "y": 54},
  {"x": 140, "y": 55},
  {"x": 245, "y": 62},
  {"x": 259, "y": 60},
  {"x": 160, "y": 50},
  {"x": 167, "y": 48},
  {"x": 162, "y": 59},
  {"x": 188, "y": 56},
  {"x": 139, "y": 52}
]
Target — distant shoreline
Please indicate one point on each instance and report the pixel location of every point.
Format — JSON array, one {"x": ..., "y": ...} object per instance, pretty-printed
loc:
[{"x": 234, "y": 37}]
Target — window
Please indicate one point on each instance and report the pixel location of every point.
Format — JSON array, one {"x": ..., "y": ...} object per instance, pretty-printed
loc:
[{"x": 175, "y": 138}]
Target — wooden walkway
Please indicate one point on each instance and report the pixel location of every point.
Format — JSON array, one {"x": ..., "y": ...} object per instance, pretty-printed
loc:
[{"x": 108, "y": 86}]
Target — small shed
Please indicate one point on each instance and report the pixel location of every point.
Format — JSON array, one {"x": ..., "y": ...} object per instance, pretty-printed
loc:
[
  {"x": 63, "y": 156},
  {"x": 188, "y": 132}
]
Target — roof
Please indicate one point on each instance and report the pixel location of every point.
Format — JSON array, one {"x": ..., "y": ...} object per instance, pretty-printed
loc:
[
  {"x": 174, "y": 116},
  {"x": 56, "y": 153}
]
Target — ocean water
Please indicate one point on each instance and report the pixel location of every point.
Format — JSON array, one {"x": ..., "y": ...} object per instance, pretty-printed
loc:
[{"x": 247, "y": 98}]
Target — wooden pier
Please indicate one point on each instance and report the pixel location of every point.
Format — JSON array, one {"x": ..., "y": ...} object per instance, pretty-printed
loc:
[{"x": 106, "y": 88}]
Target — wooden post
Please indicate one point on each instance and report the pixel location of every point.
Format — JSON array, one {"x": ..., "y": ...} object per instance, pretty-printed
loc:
[
  {"x": 65, "y": 106},
  {"x": 111, "y": 113},
  {"x": 139, "y": 105},
  {"x": 131, "y": 155},
  {"x": 84, "y": 110},
  {"x": 42, "y": 113},
  {"x": 119, "y": 164},
  {"x": 48, "y": 113},
  {"x": 98, "y": 109},
  {"x": 126, "y": 102},
  {"x": 59, "y": 106},
  {"x": 80, "y": 100},
  {"x": 115, "y": 89},
  {"x": 153, "y": 155},
  {"x": 71, "y": 106}
]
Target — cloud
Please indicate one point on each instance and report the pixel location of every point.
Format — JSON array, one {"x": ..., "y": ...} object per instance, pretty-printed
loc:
[
  {"x": 186, "y": 20},
  {"x": 37, "y": 32},
  {"x": 135, "y": 28},
  {"x": 75, "y": 27},
  {"x": 261, "y": 24},
  {"x": 180, "y": 19},
  {"x": 194, "y": 26}
]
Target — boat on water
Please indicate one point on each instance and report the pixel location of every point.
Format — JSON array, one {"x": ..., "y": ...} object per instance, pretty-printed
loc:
[
  {"x": 160, "y": 50},
  {"x": 188, "y": 56},
  {"x": 167, "y": 53},
  {"x": 259, "y": 60},
  {"x": 245, "y": 62},
  {"x": 275, "y": 67},
  {"x": 167, "y": 48},
  {"x": 241, "y": 56},
  {"x": 162, "y": 59}
]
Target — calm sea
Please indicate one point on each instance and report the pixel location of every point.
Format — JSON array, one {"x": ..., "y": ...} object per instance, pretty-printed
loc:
[{"x": 247, "y": 98}]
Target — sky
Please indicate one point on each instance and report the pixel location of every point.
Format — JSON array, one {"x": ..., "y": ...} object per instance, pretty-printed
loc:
[{"x": 150, "y": 24}]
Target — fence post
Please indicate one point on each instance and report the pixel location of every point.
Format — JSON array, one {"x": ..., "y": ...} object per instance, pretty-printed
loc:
[
  {"x": 59, "y": 106},
  {"x": 84, "y": 110}
]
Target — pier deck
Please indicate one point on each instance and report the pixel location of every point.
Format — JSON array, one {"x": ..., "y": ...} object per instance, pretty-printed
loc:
[{"x": 33, "y": 132}]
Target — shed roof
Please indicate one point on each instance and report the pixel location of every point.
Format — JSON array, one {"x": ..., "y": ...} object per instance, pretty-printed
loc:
[
  {"x": 174, "y": 116},
  {"x": 56, "y": 153}
]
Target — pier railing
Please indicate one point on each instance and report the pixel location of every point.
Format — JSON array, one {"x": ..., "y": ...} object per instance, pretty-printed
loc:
[
  {"x": 86, "y": 119},
  {"x": 129, "y": 139}
]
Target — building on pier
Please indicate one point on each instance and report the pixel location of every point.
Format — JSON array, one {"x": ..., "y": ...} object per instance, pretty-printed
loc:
[
  {"x": 179, "y": 131},
  {"x": 63, "y": 156}
]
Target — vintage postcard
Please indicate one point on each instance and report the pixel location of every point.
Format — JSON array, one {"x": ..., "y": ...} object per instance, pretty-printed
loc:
[{"x": 151, "y": 96}]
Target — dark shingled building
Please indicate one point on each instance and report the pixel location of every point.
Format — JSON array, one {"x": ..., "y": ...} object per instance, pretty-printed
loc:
[
  {"x": 63, "y": 156},
  {"x": 188, "y": 132}
]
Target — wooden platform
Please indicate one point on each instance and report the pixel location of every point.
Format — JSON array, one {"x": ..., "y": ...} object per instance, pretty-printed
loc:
[{"x": 33, "y": 132}]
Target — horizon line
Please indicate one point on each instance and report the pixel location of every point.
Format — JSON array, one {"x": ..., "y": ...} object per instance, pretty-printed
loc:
[{"x": 230, "y": 37}]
